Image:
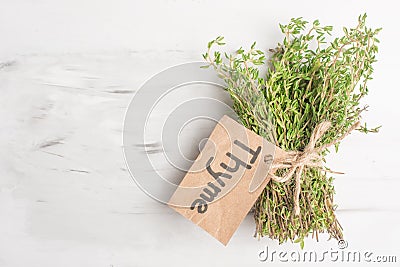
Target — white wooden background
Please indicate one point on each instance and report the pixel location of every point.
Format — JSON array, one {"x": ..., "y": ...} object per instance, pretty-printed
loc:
[{"x": 68, "y": 70}]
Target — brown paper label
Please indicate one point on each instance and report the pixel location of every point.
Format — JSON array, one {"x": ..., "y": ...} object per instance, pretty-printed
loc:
[{"x": 225, "y": 180}]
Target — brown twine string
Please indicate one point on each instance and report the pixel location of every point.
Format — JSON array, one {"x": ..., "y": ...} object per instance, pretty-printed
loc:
[{"x": 296, "y": 161}]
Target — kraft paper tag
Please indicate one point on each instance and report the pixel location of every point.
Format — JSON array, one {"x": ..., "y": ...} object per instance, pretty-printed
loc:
[{"x": 225, "y": 180}]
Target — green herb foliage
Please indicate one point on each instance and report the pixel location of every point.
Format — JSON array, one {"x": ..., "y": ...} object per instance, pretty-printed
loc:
[{"x": 308, "y": 80}]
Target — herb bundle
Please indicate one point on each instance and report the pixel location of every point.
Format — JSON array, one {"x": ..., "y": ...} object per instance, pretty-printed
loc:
[{"x": 308, "y": 80}]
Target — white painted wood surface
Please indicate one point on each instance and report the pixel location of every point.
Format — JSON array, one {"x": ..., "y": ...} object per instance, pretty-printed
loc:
[{"x": 68, "y": 71}]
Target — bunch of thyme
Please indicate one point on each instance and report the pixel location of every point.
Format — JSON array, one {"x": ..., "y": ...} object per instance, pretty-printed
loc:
[{"x": 308, "y": 80}]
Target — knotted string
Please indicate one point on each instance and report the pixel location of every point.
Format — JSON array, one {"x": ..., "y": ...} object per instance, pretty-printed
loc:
[{"x": 297, "y": 161}]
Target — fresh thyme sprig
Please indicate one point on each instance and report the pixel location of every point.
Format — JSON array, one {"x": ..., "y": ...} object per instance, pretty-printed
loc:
[{"x": 308, "y": 80}]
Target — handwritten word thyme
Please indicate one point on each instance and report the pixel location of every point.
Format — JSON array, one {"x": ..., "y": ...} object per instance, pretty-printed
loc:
[{"x": 308, "y": 80}]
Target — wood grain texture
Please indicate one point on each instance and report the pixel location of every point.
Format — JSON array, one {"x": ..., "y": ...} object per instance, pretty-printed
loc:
[{"x": 66, "y": 197}]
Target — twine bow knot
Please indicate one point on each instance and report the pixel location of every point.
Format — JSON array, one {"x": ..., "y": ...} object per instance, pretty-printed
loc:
[{"x": 296, "y": 161}]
